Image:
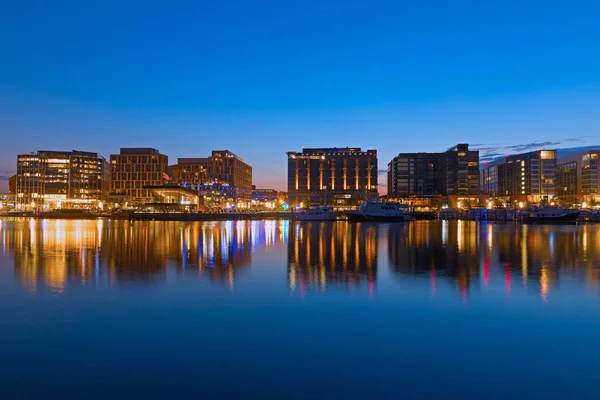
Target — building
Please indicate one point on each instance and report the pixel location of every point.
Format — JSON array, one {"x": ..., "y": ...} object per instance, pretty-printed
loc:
[
  {"x": 226, "y": 167},
  {"x": 7, "y": 202},
  {"x": 134, "y": 168},
  {"x": 454, "y": 172},
  {"x": 61, "y": 179},
  {"x": 189, "y": 172},
  {"x": 221, "y": 173},
  {"x": 577, "y": 176},
  {"x": 340, "y": 176},
  {"x": 528, "y": 177},
  {"x": 264, "y": 194},
  {"x": 12, "y": 184},
  {"x": 172, "y": 197}
]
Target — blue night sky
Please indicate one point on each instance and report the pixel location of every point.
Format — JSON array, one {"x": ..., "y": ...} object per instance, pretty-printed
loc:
[{"x": 264, "y": 77}]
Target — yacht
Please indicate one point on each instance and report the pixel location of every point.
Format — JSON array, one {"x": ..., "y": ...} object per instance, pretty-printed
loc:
[
  {"x": 550, "y": 214},
  {"x": 380, "y": 212},
  {"x": 315, "y": 213}
]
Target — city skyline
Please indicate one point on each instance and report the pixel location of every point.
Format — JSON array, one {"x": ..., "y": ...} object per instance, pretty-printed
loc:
[{"x": 261, "y": 79}]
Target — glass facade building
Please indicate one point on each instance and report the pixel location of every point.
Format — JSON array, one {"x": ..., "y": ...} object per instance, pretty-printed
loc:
[
  {"x": 48, "y": 179},
  {"x": 454, "y": 172}
]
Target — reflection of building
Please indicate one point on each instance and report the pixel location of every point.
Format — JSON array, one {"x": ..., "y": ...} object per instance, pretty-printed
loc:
[
  {"x": 134, "y": 168},
  {"x": 56, "y": 254},
  {"x": 528, "y": 176},
  {"x": 577, "y": 175},
  {"x": 55, "y": 178},
  {"x": 338, "y": 176},
  {"x": 454, "y": 172},
  {"x": 325, "y": 254},
  {"x": 440, "y": 250}
]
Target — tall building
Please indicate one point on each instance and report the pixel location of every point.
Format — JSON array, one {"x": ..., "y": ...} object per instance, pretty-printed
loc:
[
  {"x": 577, "y": 175},
  {"x": 134, "y": 168},
  {"x": 527, "y": 176},
  {"x": 55, "y": 178},
  {"x": 338, "y": 176},
  {"x": 223, "y": 172},
  {"x": 454, "y": 172}
]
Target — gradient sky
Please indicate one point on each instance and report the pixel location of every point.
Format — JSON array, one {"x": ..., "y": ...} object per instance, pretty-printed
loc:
[{"x": 264, "y": 77}]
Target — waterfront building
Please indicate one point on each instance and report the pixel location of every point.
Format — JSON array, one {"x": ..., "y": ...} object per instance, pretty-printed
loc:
[
  {"x": 453, "y": 173},
  {"x": 577, "y": 176},
  {"x": 265, "y": 198},
  {"x": 342, "y": 177},
  {"x": 7, "y": 202},
  {"x": 172, "y": 197},
  {"x": 527, "y": 177},
  {"x": 61, "y": 179},
  {"x": 12, "y": 184},
  {"x": 223, "y": 173},
  {"x": 134, "y": 168},
  {"x": 264, "y": 194},
  {"x": 226, "y": 167},
  {"x": 189, "y": 172}
]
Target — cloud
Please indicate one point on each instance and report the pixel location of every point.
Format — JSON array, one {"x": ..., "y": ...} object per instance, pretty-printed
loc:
[
  {"x": 4, "y": 177},
  {"x": 490, "y": 156},
  {"x": 488, "y": 149},
  {"x": 531, "y": 146},
  {"x": 382, "y": 171}
]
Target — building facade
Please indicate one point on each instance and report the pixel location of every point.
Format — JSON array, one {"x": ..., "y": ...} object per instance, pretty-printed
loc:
[
  {"x": 226, "y": 167},
  {"x": 222, "y": 172},
  {"x": 133, "y": 169},
  {"x": 577, "y": 176},
  {"x": 12, "y": 184},
  {"x": 454, "y": 172},
  {"x": 189, "y": 172},
  {"x": 338, "y": 176},
  {"x": 53, "y": 179},
  {"x": 527, "y": 177}
]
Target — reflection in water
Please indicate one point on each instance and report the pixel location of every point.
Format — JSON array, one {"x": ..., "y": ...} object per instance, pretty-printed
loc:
[
  {"x": 323, "y": 254},
  {"x": 320, "y": 256},
  {"x": 50, "y": 253},
  {"x": 438, "y": 250},
  {"x": 472, "y": 253}
]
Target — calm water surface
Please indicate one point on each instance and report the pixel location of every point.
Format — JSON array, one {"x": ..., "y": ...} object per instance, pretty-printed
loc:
[{"x": 112, "y": 309}]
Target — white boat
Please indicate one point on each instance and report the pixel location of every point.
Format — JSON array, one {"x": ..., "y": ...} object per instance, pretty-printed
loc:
[
  {"x": 380, "y": 212},
  {"x": 315, "y": 213}
]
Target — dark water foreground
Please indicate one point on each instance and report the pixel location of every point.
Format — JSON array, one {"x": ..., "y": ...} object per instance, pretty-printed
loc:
[{"x": 273, "y": 309}]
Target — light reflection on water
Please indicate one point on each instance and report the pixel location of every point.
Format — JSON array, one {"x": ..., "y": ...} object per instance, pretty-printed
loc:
[
  {"x": 57, "y": 253},
  {"x": 374, "y": 311}
]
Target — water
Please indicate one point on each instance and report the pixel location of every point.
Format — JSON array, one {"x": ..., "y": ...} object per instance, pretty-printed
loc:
[{"x": 112, "y": 309}]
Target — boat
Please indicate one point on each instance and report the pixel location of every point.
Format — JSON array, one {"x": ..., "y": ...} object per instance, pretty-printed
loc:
[
  {"x": 315, "y": 213},
  {"x": 550, "y": 215},
  {"x": 374, "y": 211},
  {"x": 589, "y": 216}
]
